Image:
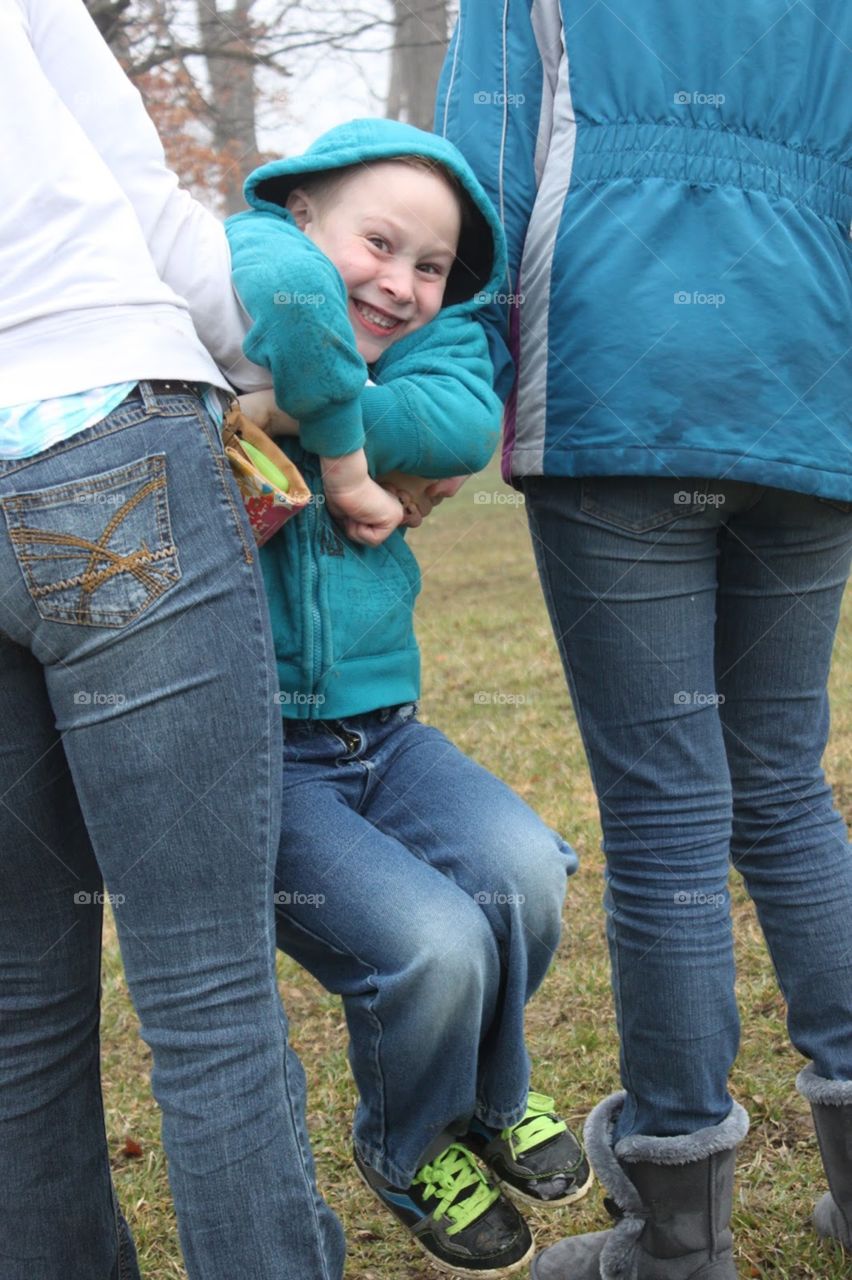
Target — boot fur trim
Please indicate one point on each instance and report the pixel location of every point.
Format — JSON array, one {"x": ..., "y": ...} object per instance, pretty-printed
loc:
[
  {"x": 597, "y": 1135},
  {"x": 821, "y": 1092},
  {"x": 687, "y": 1148},
  {"x": 684, "y": 1149},
  {"x": 617, "y": 1258}
]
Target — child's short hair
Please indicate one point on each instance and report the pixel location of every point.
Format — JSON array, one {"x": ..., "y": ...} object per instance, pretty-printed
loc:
[
  {"x": 322, "y": 187},
  {"x": 469, "y": 269}
]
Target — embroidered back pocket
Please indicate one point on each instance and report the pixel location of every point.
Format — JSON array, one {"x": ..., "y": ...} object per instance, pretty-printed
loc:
[{"x": 97, "y": 551}]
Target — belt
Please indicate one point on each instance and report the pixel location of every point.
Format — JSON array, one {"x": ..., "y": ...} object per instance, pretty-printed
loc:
[{"x": 172, "y": 387}]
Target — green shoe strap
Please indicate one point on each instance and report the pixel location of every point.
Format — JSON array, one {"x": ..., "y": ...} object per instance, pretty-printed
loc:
[
  {"x": 464, "y": 1193},
  {"x": 538, "y": 1123}
]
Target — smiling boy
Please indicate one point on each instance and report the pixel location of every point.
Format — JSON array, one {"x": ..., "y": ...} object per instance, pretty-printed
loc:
[{"x": 410, "y": 881}]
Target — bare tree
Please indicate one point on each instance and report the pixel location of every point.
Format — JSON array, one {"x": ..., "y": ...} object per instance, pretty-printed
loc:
[
  {"x": 226, "y": 36},
  {"x": 199, "y": 66},
  {"x": 421, "y": 33}
]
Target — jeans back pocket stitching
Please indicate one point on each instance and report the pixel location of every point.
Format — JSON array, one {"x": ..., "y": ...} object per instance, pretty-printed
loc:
[{"x": 90, "y": 579}]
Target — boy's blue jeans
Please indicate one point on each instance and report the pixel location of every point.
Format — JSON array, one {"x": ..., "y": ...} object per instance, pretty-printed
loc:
[
  {"x": 695, "y": 621},
  {"x": 424, "y": 891},
  {"x": 139, "y": 742}
]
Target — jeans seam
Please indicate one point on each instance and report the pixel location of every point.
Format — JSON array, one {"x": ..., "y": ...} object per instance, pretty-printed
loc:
[{"x": 223, "y": 467}]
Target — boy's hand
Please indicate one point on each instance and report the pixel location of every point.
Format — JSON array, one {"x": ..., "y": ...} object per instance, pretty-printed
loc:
[
  {"x": 367, "y": 512},
  {"x": 261, "y": 408},
  {"x": 419, "y": 496}
]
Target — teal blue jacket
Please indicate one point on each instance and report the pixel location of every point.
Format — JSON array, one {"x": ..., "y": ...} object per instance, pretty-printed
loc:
[
  {"x": 675, "y": 181},
  {"x": 342, "y": 614}
]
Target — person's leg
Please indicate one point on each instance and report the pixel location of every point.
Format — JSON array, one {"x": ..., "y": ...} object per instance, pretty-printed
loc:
[
  {"x": 59, "y": 1213},
  {"x": 418, "y": 970},
  {"x": 133, "y": 582},
  {"x": 476, "y": 832},
  {"x": 783, "y": 569},
  {"x": 629, "y": 574},
  {"x": 410, "y": 953}
]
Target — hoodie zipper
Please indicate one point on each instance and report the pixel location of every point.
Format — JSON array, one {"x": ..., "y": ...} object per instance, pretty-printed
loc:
[{"x": 315, "y": 640}]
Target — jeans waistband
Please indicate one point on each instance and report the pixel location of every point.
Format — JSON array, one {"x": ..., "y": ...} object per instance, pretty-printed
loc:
[
  {"x": 406, "y": 711},
  {"x": 149, "y": 391}
]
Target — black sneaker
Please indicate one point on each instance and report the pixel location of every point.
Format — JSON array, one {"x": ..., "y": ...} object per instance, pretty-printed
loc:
[
  {"x": 538, "y": 1159},
  {"x": 457, "y": 1216}
]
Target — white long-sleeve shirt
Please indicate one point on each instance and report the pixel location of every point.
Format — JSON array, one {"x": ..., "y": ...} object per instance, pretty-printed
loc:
[{"x": 108, "y": 270}]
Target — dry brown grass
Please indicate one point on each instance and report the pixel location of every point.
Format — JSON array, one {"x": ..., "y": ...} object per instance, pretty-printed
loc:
[{"x": 482, "y": 614}]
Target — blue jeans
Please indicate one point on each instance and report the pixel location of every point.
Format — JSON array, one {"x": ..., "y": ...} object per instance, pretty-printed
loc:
[
  {"x": 424, "y": 891},
  {"x": 695, "y": 620},
  {"x": 139, "y": 747}
]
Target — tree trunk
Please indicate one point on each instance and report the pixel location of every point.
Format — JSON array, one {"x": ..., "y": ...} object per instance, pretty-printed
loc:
[
  {"x": 232, "y": 93},
  {"x": 420, "y": 42}
]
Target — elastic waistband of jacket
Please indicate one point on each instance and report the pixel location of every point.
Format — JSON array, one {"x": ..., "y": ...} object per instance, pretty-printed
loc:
[{"x": 714, "y": 157}]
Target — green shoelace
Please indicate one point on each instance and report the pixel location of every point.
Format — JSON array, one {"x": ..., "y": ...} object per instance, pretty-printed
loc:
[
  {"x": 463, "y": 1192},
  {"x": 537, "y": 1124}
]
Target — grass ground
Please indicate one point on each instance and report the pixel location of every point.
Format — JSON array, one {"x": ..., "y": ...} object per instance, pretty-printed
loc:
[{"x": 483, "y": 630}]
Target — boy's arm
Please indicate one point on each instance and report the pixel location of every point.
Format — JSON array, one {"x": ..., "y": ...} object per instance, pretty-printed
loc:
[
  {"x": 434, "y": 414},
  {"x": 300, "y": 330},
  {"x": 433, "y": 411},
  {"x": 496, "y": 103}
]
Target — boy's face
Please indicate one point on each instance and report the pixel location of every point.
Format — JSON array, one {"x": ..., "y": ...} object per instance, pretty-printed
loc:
[{"x": 392, "y": 232}]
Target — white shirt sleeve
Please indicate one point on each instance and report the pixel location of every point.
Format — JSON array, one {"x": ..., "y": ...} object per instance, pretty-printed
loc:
[{"x": 186, "y": 242}]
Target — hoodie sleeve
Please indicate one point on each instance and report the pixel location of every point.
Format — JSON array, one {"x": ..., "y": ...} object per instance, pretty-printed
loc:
[
  {"x": 495, "y": 102},
  {"x": 300, "y": 330},
  {"x": 433, "y": 412}
]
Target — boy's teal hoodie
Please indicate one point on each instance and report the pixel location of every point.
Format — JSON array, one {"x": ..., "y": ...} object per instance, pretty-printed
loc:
[{"x": 342, "y": 613}]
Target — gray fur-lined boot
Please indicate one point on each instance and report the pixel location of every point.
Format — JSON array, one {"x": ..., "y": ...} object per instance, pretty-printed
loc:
[
  {"x": 675, "y": 1195},
  {"x": 831, "y": 1107}
]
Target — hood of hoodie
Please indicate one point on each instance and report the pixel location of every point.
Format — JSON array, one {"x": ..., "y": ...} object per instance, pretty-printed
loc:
[{"x": 479, "y": 271}]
